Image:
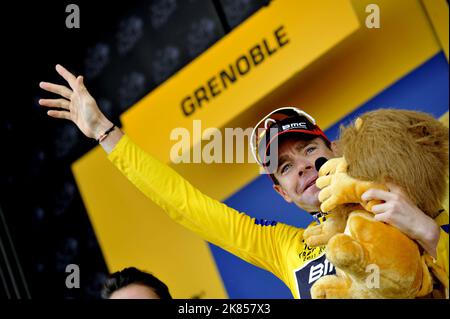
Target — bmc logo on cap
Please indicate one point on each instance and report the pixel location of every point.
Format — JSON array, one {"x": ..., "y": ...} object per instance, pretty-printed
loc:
[{"x": 301, "y": 125}]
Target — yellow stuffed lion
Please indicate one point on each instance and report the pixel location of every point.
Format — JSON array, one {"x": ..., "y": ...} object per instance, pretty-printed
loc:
[{"x": 374, "y": 259}]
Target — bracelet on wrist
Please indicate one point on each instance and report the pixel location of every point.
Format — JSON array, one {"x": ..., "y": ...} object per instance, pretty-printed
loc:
[{"x": 105, "y": 135}]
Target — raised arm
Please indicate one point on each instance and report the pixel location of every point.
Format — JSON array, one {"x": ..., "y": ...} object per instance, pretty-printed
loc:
[{"x": 261, "y": 245}]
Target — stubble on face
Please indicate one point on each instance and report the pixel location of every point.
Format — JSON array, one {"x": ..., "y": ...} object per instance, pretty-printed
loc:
[{"x": 298, "y": 184}]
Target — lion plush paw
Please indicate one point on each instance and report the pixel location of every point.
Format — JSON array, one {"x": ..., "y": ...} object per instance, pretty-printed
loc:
[
  {"x": 331, "y": 287},
  {"x": 319, "y": 235},
  {"x": 316, "y": 235},
  {"x": 347, "y": 254}
]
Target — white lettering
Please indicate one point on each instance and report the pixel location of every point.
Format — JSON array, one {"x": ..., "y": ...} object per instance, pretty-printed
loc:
[
  {"x": 301, "y": 125},
  {"x": 73, "y": 280},
  {"x": 73, "y": 19},
  {"x": 373, "y": 19},
  {"x": 195, "y": 309},
  {"x": 235, "y": 145},
  {"x": 373, "y": 280},
  {"x": 180, "y": 152},
  {"x": 215, "y": 146},
  {"x": 315, "y": 273}
]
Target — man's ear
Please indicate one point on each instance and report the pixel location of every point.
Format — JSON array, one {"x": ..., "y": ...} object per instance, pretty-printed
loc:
[
  {"x": 335, "y": 149},
  {"x": 282, "y": 192}
]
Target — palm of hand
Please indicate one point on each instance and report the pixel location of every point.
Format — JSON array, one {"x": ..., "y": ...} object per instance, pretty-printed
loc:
[{"x": 84, "y": 111}]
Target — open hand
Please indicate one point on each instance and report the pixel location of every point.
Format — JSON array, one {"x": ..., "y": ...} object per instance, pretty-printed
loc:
[{"x": 75, "y": 104}]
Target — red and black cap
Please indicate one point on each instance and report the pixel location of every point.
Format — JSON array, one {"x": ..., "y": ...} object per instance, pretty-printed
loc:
[{"x": 280, "y": 123}]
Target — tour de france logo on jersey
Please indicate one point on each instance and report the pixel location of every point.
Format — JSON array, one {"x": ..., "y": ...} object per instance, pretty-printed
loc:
[
  {"x": 315, "y": 265},
  {"x": 308, "y": 253}
]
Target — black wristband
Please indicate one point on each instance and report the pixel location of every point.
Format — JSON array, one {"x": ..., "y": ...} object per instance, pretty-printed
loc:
[{"x": 104, "y": 135}]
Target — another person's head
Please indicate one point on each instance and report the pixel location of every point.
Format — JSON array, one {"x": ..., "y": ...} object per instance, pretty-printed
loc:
[
  {"x": 300, "y": 143},
  {"x": 131, "y": 283}
]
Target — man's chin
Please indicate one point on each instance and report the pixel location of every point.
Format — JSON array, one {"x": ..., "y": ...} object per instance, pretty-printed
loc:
[
  {"x": 310, "y": 208},
  {"x": 312, "y": 193},
  {"x": 312, "y": 205},
  {"x": 309, "y": 200}
]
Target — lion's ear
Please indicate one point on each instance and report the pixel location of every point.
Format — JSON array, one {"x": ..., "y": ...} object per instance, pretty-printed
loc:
[
  {"x": 425, "y": 134},
  {"x": 358, "y": 123}
]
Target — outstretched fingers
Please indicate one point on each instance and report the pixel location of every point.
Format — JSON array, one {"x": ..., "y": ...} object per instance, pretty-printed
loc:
[
  {"x": 61, "y": 103},
  {"x": 57, "y": 89},
  {"x": 69, "y": 77},
  {"x": 60, "y": 114}
]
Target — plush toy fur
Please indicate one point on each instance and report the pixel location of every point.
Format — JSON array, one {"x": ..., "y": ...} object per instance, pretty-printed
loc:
[{"x": 409, "y": 149}]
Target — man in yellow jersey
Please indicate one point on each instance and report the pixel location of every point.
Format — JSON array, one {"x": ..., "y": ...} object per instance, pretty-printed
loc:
[{"x": 275, "y": 247}]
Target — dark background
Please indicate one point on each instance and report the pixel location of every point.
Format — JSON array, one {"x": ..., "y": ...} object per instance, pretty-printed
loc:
[{"x": 124, "y": 49}]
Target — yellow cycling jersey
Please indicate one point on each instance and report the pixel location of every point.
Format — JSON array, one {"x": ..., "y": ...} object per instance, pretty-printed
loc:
[{"x": 275, "y": 247}]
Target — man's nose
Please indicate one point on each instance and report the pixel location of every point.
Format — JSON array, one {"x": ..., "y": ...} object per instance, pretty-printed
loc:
[{"x": 303, "y": 166}]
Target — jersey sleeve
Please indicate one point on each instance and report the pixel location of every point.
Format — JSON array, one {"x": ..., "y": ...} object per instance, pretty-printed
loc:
[{"x": 262, "y": 244}]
